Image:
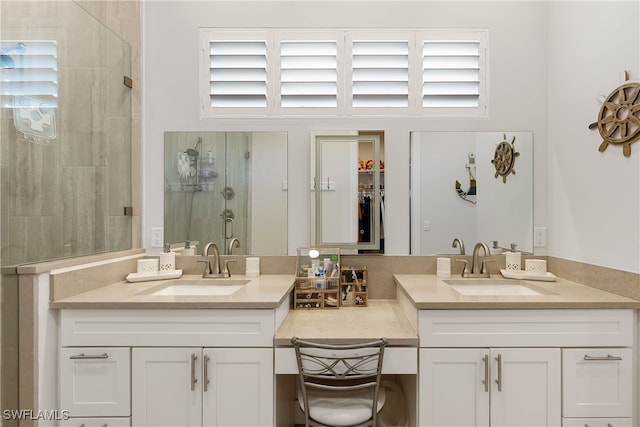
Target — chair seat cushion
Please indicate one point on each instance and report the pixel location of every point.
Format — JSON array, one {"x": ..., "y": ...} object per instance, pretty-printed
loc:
[{"x": 341, "y": 409}]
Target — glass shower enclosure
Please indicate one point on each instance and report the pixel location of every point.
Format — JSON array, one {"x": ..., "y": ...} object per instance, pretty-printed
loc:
[{"x": 207, "y": 189}]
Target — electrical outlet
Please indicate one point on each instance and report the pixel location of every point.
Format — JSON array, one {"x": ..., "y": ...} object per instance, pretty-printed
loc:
[
  {"x": 157, "y": 237},
  {"x": 539, "y": 237}
]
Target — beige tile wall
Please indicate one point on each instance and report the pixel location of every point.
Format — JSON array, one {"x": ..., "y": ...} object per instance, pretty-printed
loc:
[{"x": 67, "y": 198}]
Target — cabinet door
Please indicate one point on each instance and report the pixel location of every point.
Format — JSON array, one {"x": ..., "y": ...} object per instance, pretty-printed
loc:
[
  {"x": 525, "y": 387},
  {"x": 454, "y": 389},
  {"x": 94, "y": 381},
  {"x": 97, "y": 422},
  {"x": 166, "y": 390},
  {"x": 597, "y": 382},
  {"x": 238, "y": 387}
]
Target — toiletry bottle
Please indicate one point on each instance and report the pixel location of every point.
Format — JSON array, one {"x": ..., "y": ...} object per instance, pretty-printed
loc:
[
  {"x": 167, "y": 259},
  {"x": 188, "y": 249}
]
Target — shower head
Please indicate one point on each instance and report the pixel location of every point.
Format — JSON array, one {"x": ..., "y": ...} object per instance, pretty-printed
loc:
[{"x": 193, "y": 151}]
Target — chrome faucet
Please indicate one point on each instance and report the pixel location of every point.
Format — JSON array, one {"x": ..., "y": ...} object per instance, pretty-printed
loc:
[
  {"x": 211, "y": 270},
  {"x": 457, "y": 242},
  {"x": 233, "y": 243},
  {"x": 478, "y": 269}
]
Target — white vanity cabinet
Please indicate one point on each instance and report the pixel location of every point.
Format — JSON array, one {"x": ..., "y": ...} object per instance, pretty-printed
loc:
[
  {"x": 94, "y": 381},
  {"x": 217, "y": 387},
  {"x": 187, "y": 367},
  {"x": 597, "y": 386},
  {"x": 525, "y": 367},
  {"x": 505, "y": 385}
]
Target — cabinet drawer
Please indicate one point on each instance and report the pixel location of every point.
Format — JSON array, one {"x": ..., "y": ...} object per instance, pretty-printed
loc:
[
  {"x": 159, "y": 327},
  {"x": 95, "y": 381},
  {"x": 525, "y": 328},
  {"x": 597, "y": 382},
  {"x": 397, "y": 360},
  {"x": 96, "y": 422},
  {"x": 596, "y": 422}
]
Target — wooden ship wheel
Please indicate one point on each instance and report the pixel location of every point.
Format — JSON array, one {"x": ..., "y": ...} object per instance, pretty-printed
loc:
[
  {"x": 619, "y": 117},
  {"x": 504, "y": 158}
]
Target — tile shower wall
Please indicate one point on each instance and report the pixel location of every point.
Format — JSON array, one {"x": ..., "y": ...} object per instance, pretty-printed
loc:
[{"x": 67, "y": 198}]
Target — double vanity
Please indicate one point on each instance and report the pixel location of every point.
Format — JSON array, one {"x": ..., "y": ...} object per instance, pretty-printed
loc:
[{"x": 203, "y": 352}]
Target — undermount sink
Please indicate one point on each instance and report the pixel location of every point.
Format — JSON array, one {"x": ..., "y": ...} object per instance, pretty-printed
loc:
[
  {"x": 198, "y": 287},
  {"x": 489, "y": 287}
]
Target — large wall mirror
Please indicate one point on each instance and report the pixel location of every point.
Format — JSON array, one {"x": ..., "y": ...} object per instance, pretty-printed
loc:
[
  {"x": 474, "y": 186},
  {"x": 229, "y": 188},
  {"x": 347, "y": 191}
]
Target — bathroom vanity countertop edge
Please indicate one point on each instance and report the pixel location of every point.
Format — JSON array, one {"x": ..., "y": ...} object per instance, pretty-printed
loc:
[
  {"x": 426, "y": 291},
  {"x": 381, "y": 318},
  {"x": 262, "y": 292}
]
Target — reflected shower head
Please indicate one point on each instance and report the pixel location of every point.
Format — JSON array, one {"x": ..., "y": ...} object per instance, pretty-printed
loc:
[{"x": 193, "y": 151}]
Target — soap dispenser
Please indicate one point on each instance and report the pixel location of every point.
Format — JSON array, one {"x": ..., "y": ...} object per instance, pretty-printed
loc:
[
  {"x": 513, "y": 259},
  {"x": 188, "y": 249},
  {"x": 167, "y": 259}
]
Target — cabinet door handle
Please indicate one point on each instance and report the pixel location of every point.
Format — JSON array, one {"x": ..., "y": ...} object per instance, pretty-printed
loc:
[
  {"x": 607, "y": 357},
  {"x": 499, "y": 379},
  {"x": 194, "y": 380},
  {"x": 89, "y": 356},
  {"x": 485, "y": 359},
  {"x": 205, "y": 373}
]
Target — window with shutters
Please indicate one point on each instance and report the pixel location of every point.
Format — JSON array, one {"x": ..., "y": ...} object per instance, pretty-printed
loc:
[
  {"x": 453, "y": 71},
  {"x": 309, "y": 73},
  {"x": 379, "y": 73},
  {"x": 29, "y": 73},
  {"x": 338, "y": 72}
]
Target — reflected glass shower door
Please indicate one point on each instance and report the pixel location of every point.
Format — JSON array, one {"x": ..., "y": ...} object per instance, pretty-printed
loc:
[{"x": 235, "y": 193}]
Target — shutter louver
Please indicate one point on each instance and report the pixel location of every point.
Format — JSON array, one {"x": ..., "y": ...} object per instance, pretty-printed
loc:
[
  {"x": 29, "y": 73},
  {"x": 308, "y": 74},
  {"x": 451, "y": 74},
  {"x": 380, "y": 73},
  {"x": 238, "y": 73}
]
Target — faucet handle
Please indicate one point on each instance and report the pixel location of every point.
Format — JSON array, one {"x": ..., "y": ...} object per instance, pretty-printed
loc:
[
  {"x": 465, "y": 271},
  {"x": 225, "y": 271},
  {"x": 207, "y": 267},
  {"x": 484, "y": 265}
]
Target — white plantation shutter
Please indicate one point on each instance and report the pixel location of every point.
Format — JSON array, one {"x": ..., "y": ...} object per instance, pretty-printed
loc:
[
  {"x": 29, "y": 68},
  {"x": 280, "y": 72},
  {"x": 238, "y": 73},
  {"x": 380, "y": 73},
  {"x": 451, "y": 74},
  {"x": 308, "y": 74}
]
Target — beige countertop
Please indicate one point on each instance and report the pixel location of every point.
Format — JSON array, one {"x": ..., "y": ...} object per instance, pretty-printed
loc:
[
  {"x": 381, "y": 318},
  {"x": 265, "y": 291},
  {"x": 426, "y": 291}
]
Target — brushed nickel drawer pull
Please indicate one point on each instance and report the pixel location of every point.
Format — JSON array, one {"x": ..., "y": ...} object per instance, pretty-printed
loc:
[
  {"x": 485, "y": 359},
  {"x": 90, "y": 356},
  {"x": 205, "y": 374},
  {"x": 607, "y": 357},
  {"x": 499, "y": 380},
  {"x": 194, "y": 380}
]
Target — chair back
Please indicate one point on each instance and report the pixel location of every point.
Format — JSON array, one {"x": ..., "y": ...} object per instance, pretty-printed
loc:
[{"x": 340, "y": 368}]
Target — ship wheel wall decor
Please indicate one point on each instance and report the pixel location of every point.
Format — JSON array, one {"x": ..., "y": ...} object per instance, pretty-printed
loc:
[
  {"x": 619, "y": 117},
  {"x": 504, "y": 158}
]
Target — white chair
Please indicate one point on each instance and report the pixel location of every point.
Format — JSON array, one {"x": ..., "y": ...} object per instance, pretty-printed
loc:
[{"x": 340, "y": 384}]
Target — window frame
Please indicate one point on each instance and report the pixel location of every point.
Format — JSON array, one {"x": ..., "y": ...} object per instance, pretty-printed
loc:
[{"x": 344, "y": 38}]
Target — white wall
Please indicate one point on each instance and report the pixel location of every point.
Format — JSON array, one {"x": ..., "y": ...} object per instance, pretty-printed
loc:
[
  {"x": 518, "y": 93},
  {"x": 594, "y": 198}
]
